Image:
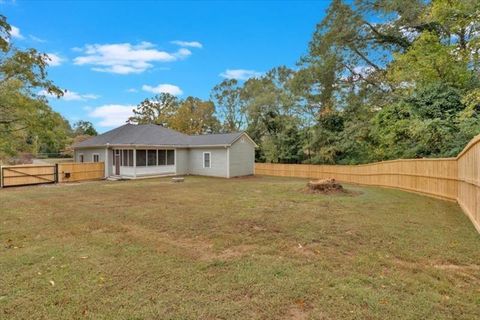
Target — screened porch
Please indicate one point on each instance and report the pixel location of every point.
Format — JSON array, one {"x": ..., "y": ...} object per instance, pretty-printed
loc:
[{"x": 143, "y": 162}]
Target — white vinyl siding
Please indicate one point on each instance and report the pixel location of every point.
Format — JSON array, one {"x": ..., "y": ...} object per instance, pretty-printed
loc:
[
  {"x": 88, "y": 154},
  {"x": 181, "y": 160},
  {"x": 218, "y": 162},
  {"x": 242, "y": 158}
]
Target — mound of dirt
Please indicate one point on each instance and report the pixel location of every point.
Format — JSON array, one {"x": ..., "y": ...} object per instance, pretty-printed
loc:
[{"x": 325, "y": 186}]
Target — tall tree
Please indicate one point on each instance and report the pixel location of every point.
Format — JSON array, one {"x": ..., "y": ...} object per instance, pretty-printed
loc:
[
  {"x": 273, "y": 116},
  {"x": 82, "y": 127},
  {"x": 195, "y": 116},
  {"x": 157, "y": 110},
  {"x": 226, "y": 96},
  {"x": 27, "y": 123},
  {"x": 37, "y": 128},
  {"x": 190, "y": 116}
]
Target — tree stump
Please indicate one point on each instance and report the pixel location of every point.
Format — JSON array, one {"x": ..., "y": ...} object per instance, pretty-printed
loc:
[{"x": 325, "y": 186}]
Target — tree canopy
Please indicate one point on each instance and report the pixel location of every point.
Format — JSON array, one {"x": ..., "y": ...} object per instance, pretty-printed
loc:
[
  {"x": 191, "y": 115},
  {"x": 27, "y": 123},
  {"x": 381, "y": 79}
]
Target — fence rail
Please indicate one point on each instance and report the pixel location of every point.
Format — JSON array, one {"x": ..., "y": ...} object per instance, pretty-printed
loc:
[
  {"x": 455, "y": 179},
  {"x": 21, "y": 175}
]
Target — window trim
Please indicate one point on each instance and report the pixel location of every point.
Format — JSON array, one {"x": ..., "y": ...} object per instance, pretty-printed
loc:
[
  {"x": 209, "y": 160},
  {"x": 93, "y": 157}
]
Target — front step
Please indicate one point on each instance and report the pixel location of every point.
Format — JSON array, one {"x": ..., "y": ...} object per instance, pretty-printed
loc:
[{"x": 117, "y": 178}]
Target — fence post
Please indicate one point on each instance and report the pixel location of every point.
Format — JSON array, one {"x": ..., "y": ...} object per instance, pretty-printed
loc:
[
  {"x": 56, "y": 172},
  {"x": 1, "y": 176}
]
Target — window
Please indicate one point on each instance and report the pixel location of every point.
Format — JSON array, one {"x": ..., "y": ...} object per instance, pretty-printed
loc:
[
  {"x": 170, "y": 157},
  {"x": 80, "y": 157},
  {"x": 152, "y": 157},
  {"x": 162, "y": 157},
  {"x": 141, "y": 158},
  {"x": 206, "y": 159},
  {"x": 95, "y": 157}
]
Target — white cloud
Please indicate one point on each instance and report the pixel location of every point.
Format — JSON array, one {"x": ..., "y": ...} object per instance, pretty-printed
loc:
[
  {"x": 71, "y": 96},
  {"x": 163, "y": 88},
  {"x": 112, "y": 115},
  {"x": 183, "y": 53},
  {"x": 240, "y": 74},
  {"x": 192, "y": 44},
  {"x": 90, "y": 96},
  {"x": 125, "y": 58},
  {"x": 132, "y": 90},
  {"x": 409, "y": 33},
  {"x": 37, "y": 39},
  {"x": 363, "y": 70},
  {"x": 15, "y": 33},
  {"x": 55, "y": 60}
]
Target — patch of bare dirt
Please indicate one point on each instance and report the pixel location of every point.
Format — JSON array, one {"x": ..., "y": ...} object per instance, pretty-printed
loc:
[
  {"x": 250, "y": 225},
  {"x": 233, "y": 252},
  {"x": 300, "y": 310},
  {"x": 249, "y": 177},
  {"x": 306, "y": 251},
  {"x": 455, "y": 267},
  {"x": 196, "y": 248},
  {"x": 468, "y": 271}
]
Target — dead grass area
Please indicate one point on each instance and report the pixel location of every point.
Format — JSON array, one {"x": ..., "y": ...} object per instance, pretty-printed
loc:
[{"x": 251, "y": 248}]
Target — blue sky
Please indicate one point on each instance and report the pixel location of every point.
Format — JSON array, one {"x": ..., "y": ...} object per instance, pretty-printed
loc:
[{"x": 112, "y": 55}]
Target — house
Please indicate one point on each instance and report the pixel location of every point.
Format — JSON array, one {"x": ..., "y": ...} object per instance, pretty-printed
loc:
[{"x": 132, "y": 151}]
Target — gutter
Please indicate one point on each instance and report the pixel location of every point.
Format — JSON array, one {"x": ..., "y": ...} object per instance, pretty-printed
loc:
[{"x": 182, "y": 146}]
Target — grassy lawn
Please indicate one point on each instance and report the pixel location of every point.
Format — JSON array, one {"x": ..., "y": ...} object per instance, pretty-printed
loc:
[{"x": 254, "y": 248}]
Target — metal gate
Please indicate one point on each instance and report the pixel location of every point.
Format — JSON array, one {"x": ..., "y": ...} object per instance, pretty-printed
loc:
[{"x": 28, "y": 175}]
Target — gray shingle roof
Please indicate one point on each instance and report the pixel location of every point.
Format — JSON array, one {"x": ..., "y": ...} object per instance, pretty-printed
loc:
[{"x": 151, "y": 134}]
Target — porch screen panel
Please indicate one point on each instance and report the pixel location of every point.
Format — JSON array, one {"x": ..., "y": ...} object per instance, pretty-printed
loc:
[
  {"x": 125, "y": 157},
  {"x": 130, "y": 158},
  {"x": 162, "y": 157},
  {"x": 170, "y": 157},
  {"x": 141, "y": 158},
  {"x": 152, "y": 157}
]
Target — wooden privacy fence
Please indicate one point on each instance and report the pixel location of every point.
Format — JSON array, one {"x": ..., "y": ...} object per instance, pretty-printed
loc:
[
  {"x": 62, "y": 172},
  {"x": 80, "y": 171},
  {"x": 455, "y": 179},
  {"x": 28, "y": 174}
]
